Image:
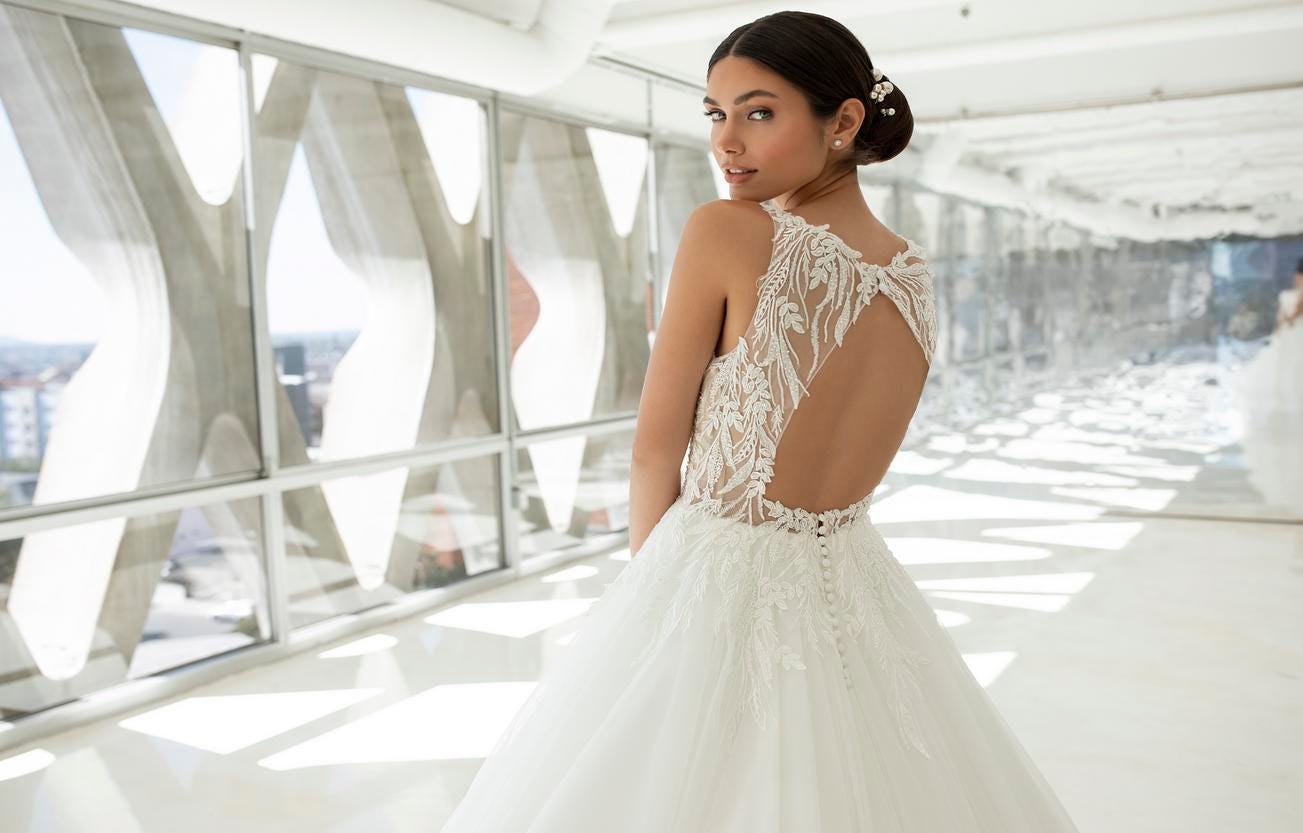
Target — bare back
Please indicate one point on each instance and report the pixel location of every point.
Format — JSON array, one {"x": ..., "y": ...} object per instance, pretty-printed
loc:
[{"x": 808, "y": 407}]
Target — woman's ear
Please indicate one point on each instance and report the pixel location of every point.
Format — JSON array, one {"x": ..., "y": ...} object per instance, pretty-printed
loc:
[
  {"x": 851, "y": 116},
  {"x": 846, "y": 123}
]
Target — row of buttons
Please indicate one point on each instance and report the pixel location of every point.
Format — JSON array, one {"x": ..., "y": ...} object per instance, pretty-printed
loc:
[{"x": 832, "y": 597}]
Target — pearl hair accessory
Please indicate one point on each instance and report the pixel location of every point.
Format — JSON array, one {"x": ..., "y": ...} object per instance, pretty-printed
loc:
[{"x": 880, "y": 91}]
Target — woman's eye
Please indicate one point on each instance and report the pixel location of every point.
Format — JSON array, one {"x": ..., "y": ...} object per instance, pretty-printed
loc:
[{"x": 710, "y": 113}]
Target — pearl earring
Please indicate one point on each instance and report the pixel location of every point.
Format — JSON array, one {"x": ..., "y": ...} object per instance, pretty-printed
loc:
[{"x": 836, "y": 143}]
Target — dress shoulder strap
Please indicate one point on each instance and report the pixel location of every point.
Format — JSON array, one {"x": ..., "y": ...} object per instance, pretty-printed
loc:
[{"x": 907, "y": 279}]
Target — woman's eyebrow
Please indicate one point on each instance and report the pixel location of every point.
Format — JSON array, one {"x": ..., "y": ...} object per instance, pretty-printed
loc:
[{"x": 741, "y": 98}]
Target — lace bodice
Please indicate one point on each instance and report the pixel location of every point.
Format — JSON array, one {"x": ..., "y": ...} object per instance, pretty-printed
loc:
[{"x": 811, "y": 293}]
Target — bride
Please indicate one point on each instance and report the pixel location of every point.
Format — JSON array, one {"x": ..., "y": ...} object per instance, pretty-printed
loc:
[
  {"x": 764, "y": 664},
  {"x": 1271, "y": 385},
  {"x": 1270, "y": 391}
]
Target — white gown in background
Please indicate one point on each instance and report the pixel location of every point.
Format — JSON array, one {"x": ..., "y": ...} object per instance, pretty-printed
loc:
[
  {"x": 1270, "y": 391},
  {"x": 757, "y": 667},
  {"x": 1272, "y": 382}
]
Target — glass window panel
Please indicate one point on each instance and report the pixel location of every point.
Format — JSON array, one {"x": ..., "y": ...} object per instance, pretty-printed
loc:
[
  {"x": 685, "y": 178},
  {"x": 1007, "y": 258},
  {"x": 968, "y": 282},
  {"x": 577, "y": 258},
  {"x": 125, "y": 343},
  {"x": 371, "y": 199},
  {"x": 1032, "y": 286},
  {"x": 356, "y": 542},
  {"x": 1062, "y": 276},
  {"x": 87, "y": 606},
  {"x": 573, "y": 490}
]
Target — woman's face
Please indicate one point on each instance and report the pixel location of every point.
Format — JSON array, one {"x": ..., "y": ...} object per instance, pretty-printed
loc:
[{"x": 761, "y": 122}]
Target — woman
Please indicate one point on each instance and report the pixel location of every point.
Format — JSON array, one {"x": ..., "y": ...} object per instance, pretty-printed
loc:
[
  {"x": 1270, "y": 391},
  {"x": 1271, "y": 385},
  {"x": 764, "y": 664}
]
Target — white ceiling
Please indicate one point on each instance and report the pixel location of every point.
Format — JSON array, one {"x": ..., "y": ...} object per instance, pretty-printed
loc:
[
  {"x": 1172, "y": 118},
  {"x": 1169, "y": 119}
]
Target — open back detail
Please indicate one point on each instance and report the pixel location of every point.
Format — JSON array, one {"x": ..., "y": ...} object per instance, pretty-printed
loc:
[
  {"x": 763, "y": 668},
  {"x": 811, "y": 293}
]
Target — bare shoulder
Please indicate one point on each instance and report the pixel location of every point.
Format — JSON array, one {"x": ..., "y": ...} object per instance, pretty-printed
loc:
[
  {"x": 736, "y": 235},
  {"x": 735, "y": 218}
]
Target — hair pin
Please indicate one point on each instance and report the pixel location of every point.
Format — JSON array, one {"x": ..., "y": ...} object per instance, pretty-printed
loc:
[{"x": 880, "y": 91}]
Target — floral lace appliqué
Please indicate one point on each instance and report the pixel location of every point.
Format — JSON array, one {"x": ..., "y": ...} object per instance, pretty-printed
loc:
[
  {"x": 759, "y": 560},
  {"x": 754, "y": 574}
]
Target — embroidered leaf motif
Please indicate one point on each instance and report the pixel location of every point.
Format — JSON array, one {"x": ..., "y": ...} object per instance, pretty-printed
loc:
[
  {"x": 807, "y": 300},
  {"x": 792, "y": 317},
  {"x": 790, "y": 658},
  {"x": 747, "y": 400},
  {"x": 750, "y": 578}
]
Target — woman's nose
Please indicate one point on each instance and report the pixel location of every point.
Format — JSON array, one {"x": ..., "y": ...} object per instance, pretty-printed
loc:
[{"x": 726, "y": 144}]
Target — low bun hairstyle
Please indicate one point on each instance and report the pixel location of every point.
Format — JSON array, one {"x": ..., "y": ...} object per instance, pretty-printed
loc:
[{"x": 825, "y": 60}]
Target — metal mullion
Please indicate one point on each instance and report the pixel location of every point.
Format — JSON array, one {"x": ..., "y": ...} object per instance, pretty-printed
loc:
[
  {"x": 1045, "y": 256},
  {"x": 264, "y": 365},
  {"x": 110, "y": 13},
  {"x": 653, "y": 76},
  {"x": 653, "y": 215},
  {"x": 19, "y": 521},
  {"x": 592, "y": 428},
  {"x": 312, "y": 473},
  {"x": 264, "y": 373},
  {"x": 947, "y": 288},
  {"x": 507, "y": 528},
  {"x": 237, "y": 486},
  {"x": 527, "y": 107},
  {"x": 988, "y": 308},
  {"x": 323, "y": 59}
]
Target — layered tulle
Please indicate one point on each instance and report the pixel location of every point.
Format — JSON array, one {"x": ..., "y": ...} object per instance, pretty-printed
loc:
[
  {"x": 1271, "y": 385},
  {"x": 706, "y": 692},
  {"x": 1270, "y": 390}
]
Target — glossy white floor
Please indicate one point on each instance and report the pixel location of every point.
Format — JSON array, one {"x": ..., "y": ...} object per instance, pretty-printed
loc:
[{"x": 1153, "y": 668}]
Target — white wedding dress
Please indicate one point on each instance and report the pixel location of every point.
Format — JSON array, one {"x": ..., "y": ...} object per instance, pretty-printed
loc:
[
  {"x": 1271, "y": 384},
  {"x": 1270, "y": 391},
  {"x": 758, "y": 667}
]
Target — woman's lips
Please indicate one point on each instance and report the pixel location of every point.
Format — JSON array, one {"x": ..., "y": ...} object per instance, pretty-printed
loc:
[{"x": 733, "y": 179}]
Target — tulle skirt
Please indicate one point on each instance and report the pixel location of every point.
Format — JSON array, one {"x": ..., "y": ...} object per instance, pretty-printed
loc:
[
  {"x": 1270, "y": 390},
  {"x": 759, "y": 679},
  {"x": 1270, "y": 386}
]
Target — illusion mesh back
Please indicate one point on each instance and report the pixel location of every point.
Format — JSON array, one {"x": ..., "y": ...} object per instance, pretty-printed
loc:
[{"x": 821, "y": 371}]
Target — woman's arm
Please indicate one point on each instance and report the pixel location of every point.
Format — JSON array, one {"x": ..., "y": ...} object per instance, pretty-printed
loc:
[{"x": 684, "y": 344}]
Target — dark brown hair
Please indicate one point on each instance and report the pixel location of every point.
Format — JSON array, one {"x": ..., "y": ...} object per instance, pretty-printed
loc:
[{"x": 823, "y": 59}]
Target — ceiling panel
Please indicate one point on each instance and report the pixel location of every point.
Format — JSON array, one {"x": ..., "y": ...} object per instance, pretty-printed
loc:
[{"x": 1188, "y": 113}]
